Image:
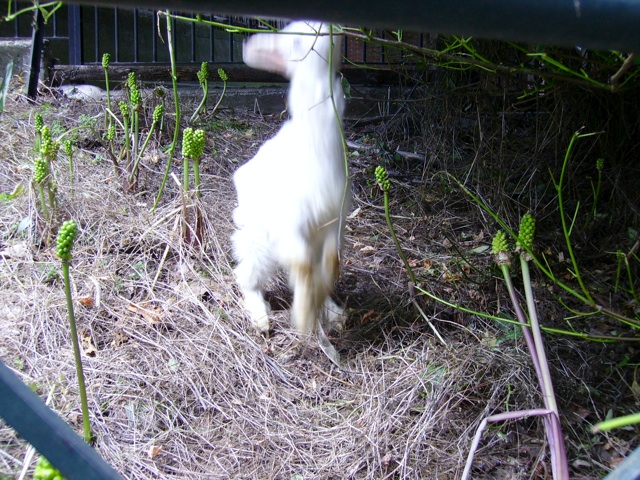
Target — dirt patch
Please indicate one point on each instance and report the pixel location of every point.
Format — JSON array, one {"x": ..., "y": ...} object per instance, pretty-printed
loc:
[{"x": 180, "y": 387}]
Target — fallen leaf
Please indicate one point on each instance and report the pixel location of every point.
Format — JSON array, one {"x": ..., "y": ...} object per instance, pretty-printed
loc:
[
  {"x": 153, "y": 315},
  {"x": 413, "y": 262},
  {"x": 355, "y": 213},
  {"x": 17, "y": 250},
  {"x": 368, "y": 249},
  {"x": 367, "y": 316},
  {"x": 88, "y": 302},
  {"x": 154, "y": 450},
  {"x": 451, "y": 277},
  {"x": 88, "y": 347}
]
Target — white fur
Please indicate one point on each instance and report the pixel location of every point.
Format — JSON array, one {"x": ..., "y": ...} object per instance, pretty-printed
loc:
[{"x": 293, "y": 195}]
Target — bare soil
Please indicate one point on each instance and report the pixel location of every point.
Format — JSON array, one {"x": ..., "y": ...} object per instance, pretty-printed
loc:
[{"x": 180, "y": 386}]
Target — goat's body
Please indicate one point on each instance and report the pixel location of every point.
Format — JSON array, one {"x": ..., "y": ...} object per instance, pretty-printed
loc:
[{"x": 292, "y": 197}]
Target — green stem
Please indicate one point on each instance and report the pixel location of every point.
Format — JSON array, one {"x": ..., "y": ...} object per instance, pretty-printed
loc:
[
  {"x": 50, "y": 194},
  {"x": 134, "y": 170},
  {"x": 387, "y": 215},
  {"x": 174, "y": 82},
  {"x": 224, "y": 90},
  {"x": 108, "y": 118},
  {"x": 545, "y": 269},
  {"x": 196, "y": 175},
  {"x": 607, "y": 425},
  {"x": 45, "y": 210},
  {"x": 631, "y": 279},
  {"x": 565, "y": 228},
  {"x": 203, "y": 102},
  {"x": 71, "y": 169},
  {"x": 559, "y": 463},
  {"x": 185, "y": 174},
  {"x": 331, "y": 79},
  {"x": 526, "y": 329},
  {"x": 127, "y": 145},
  {"x": 549, "y": 396},
  {"x": 76, "y": 353},
  {"x": 136, "y": 134}
]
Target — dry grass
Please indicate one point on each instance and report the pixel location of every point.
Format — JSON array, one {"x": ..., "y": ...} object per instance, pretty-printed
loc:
[{"x": 172, "y": 367}]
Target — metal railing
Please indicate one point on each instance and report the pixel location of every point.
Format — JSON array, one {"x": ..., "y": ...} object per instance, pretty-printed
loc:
[{"x": 80, "y": 35}]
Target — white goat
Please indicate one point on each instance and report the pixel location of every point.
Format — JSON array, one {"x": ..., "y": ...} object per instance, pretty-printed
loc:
[{"x": 293, "y": 195}]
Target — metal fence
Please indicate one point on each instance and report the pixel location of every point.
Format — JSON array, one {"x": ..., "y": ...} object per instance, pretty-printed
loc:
[{"x": 80, "y": 35}]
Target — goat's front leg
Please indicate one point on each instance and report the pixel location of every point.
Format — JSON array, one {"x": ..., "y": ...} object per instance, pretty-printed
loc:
[{"x": 253, "y": 298}]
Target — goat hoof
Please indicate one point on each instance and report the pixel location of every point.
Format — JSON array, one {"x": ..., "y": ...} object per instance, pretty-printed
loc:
[
  {"x": 261, "y": 324},
  {"x": 335, "y": 316}
]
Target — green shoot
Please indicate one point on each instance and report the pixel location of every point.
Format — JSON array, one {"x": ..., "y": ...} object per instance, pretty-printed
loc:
[
  {"x": 223, "y": 76},
  {"x": 203, "y": 78},
  {"x": 68, "y": 150},
  {"x": 174, "y": 82},
  {"x": 64, "y": 245},
  {"x": 106, "y": 58},
  {"x": 382, "y": 178},
  {"x": 193, "y": 142},
  {"x": 45, "y": 471}
]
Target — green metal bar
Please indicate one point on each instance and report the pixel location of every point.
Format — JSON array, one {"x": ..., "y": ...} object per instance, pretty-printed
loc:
[
  {"x": 599, "y": 24},
  {"x": 48, "y": 433}
]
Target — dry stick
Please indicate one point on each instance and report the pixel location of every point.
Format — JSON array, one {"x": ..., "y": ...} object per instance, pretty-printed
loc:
[
  {"x": 501, "y": 417},
  {"x": 623, "y": 69}
]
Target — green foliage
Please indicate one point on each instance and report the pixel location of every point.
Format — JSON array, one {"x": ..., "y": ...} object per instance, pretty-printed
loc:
[
  {"x": 193, "y": 142},
  {"x": 124, "y": 109},
  {"x": 48, "y": 147},
  {"x": 106, "y": 58},
  {"x": 45, "y": 471},
  {"x": 111, "y": 133},
  {"x": 526, "y": 232},
  {"x": 38, "y": 123},
  {"x": 499, "y": 243},
  {"x": 66, "y": 236},
  {"x": 68, "y": 147},
  {"x": 158, "y": 113},
  {"x": 40, "y": 169},
  {"x": 134, "y": 91},
  {"x": 545, "y": 68},
  {"x": 203, "y": 73},
  {"x": 382, "y": 178}
]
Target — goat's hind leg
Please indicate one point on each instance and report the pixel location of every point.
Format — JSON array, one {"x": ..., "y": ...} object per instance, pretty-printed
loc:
[
  {"x": 333, "y": 314},
  {"x": 306, "y": 297}
]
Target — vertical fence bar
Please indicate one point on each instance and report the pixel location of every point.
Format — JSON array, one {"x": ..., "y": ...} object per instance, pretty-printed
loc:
[
  {"x": 212, "y": 44},
  {"x": 75, "y": 35},
  {"x": 116, "y": 33},
  {"x": 135, "y": 36},
  {"x": 36, "y": 54},
  {"x": 96, "y": 35},
  {"x": 54, "y": 25},
  {"x": 154, "y": 40},
  {"x": 192, "y": 52},
  {"x": 230, "y": 44}
]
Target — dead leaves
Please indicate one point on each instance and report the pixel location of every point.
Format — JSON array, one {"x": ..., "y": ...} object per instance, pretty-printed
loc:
[{"x": 153, "y": 314}]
